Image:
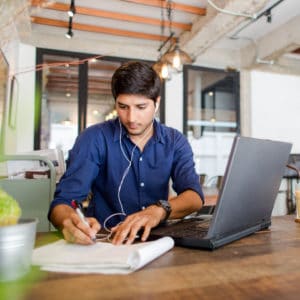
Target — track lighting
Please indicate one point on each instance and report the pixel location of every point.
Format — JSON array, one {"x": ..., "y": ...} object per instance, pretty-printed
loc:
[
  {"x": 72, "y": 9},
  {"x": 69, "y": 33},
  {"x": 269, "y": 16},
  {"x": 71, "y": 13}
]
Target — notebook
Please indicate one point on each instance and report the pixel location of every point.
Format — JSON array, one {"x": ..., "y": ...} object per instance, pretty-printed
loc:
[{"x": 250, "y": 185}]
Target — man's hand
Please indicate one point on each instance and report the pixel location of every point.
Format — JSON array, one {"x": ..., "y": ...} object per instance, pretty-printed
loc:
[
  {"x": 73, "y": 229},
  {"x": 145, "y": 219}
]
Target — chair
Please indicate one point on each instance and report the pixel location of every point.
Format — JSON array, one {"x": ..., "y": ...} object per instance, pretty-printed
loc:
[
  {"x": 202, "y": 178},
  {"x": 215, "y": 181},
  {"x": 33, "y": 195}
]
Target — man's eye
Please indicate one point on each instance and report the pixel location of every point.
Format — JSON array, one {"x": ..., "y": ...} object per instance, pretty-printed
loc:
[{"x": 142, "y": 107}]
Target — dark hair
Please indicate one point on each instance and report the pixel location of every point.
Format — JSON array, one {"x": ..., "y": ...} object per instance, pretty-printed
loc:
[{"x": 136, "y": 78}]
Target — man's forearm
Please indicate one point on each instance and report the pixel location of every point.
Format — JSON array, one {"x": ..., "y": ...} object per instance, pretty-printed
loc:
[{"x": 185, "y": 204}]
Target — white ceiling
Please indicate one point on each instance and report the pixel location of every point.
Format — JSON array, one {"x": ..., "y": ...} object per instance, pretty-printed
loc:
[{"x": 207, "y": 40}]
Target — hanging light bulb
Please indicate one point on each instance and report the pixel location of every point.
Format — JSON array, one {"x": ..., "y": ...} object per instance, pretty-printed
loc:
[
  {"x": 164, "y": 71},
  {"x": 174, "y": 56},
  {"x": 177, "y": 57},
  {"x": 176, "y": 60}
]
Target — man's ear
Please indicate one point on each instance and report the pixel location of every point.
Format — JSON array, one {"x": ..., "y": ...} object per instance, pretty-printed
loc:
[{"x": 157, "y": 103}]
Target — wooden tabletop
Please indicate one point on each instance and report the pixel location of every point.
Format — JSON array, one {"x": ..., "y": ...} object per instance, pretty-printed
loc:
[{"x": 265, "y": 265}]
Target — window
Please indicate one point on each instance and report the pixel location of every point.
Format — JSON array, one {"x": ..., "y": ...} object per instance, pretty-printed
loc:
[
  {"x": 211, "y": 116},
  {"x": 73, "y": 92}
]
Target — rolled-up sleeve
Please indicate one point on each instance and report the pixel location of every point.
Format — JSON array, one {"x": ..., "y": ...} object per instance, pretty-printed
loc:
[
  {"x": 184, "y": 176},
  {"x": 82, "y": 168}
]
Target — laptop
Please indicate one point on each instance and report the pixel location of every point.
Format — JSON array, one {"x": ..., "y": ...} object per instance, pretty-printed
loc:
[{"x": 245, "y": 202}]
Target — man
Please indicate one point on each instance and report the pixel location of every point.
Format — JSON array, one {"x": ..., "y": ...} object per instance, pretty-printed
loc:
[{"x": 126, "y": 164}]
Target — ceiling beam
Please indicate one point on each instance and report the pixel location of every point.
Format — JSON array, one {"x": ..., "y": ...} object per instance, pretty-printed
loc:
[
  {"x": 99, "y": 29},
  {"x": 206, "y": 32},
  {"x": 176, "y": 6},
  {"x": 110, "y": 15},
  {"x": 272, "y": 46}
]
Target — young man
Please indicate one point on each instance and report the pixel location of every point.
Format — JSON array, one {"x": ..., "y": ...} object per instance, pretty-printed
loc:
[{"x": 126, "y": 164}]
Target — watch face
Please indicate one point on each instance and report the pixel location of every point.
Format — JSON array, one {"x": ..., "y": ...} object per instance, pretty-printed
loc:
[{"x": 165, "y": 204}]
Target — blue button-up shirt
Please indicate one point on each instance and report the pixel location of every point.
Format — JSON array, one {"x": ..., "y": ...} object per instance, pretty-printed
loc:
[{"x": 98, "y": 162}]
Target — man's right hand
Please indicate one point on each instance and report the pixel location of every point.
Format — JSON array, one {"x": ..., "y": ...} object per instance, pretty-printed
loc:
[{"x": 73, "y": 229}]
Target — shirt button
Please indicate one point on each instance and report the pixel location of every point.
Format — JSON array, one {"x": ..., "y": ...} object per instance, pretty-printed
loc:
[
  {"x": 141, "y": 159},
  {"x": 142, "y": 184}
]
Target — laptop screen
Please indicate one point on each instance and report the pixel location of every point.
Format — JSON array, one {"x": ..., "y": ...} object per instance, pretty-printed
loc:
[{"x": 250, "y": 186}]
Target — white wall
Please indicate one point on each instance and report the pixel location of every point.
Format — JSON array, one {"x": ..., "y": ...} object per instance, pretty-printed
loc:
[
  {"x": 271, "y": 111},
  {"x": 174, "y": 102},
  {"x": 25, "y": 115},
  {"x": 275, "y": 107},
  {"x": 19, "y": 136}
]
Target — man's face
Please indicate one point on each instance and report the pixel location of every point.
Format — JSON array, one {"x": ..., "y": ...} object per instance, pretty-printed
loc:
[{"x": 136, "y": 113}]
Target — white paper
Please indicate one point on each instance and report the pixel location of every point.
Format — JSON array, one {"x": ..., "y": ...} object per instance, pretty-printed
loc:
[{"x": 101, "y": 257}]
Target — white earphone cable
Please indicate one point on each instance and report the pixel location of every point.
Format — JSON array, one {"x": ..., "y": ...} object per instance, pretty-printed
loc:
[{"x": 122, "y": 213}]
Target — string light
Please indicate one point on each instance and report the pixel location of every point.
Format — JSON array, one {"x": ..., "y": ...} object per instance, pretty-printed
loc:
[{"x": 40, "y": 67}]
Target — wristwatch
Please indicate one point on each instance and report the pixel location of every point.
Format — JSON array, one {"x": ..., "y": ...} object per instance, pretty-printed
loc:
[{"x": 165, "y": 204}]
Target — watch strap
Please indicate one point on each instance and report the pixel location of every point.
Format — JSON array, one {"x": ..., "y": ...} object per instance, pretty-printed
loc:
[{"x": 165, "y": 204}]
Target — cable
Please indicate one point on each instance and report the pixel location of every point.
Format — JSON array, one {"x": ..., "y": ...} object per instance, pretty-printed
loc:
[
  {"x": 254, "y": 16},
  {"x": 123, "y": 213},
  {"x": 263, "y": 13},
  {"x": 41, "y": 67}
]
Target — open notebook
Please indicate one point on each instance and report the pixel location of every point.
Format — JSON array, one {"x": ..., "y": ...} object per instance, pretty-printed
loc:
[
  {"x": 245, "y": 202},
  {"x": 101, "y": 257}
]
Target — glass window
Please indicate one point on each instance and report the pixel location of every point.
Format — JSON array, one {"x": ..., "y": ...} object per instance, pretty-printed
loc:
[
  {"x": 59, "y": 106},
  {"x": 211, "y": 117},
  {"x": 100, "y": 106},
  {"x": 73, "y": 92}
]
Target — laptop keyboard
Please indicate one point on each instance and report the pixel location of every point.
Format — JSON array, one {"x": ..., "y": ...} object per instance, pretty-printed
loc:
[{"x": 184, "y": 228}]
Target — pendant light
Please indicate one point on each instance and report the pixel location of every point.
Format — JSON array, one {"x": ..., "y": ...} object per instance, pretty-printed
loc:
[
  {"x": 174, "y": 58},
  {"x": 177, "y": 57}
]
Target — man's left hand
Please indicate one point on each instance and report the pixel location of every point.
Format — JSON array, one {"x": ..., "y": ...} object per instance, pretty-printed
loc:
[{"x": 126, "y": 232}]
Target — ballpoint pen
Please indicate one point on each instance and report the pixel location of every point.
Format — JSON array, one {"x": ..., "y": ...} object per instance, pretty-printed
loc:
[{"x": 77, "y": 207}]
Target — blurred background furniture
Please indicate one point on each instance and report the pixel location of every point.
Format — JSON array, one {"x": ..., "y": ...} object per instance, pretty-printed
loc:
[
  {"x": 31, "y": 180},
  {"x": 291, "y": 175}
]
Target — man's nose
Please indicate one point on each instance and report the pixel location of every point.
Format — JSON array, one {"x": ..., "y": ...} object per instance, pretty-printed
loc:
[{"x": 131, "y": 115}]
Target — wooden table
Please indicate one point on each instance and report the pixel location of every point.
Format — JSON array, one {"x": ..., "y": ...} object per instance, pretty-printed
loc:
[{"x": 265, "y": 265}]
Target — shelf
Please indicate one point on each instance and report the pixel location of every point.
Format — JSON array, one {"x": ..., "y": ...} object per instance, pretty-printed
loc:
[{"x": 212, "y": 124}]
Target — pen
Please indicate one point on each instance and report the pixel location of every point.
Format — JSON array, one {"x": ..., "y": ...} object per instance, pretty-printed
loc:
[{"x": 79, "y": 212}]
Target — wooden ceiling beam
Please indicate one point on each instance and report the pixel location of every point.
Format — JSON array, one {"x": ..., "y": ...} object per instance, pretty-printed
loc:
[
  {"x": 99, "y": 29},
  {"x": 110, "y": 15},
  {"x": 176, "y": 6}
]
